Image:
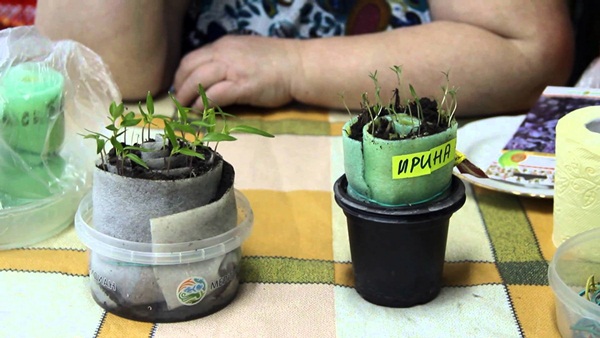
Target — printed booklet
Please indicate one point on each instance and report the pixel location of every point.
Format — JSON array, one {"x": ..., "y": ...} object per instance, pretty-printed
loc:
[{"x": 528, "y": 157}]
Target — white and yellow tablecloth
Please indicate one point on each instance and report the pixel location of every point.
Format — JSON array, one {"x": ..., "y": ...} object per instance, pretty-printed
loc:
[{"x": 296, "y": 272}]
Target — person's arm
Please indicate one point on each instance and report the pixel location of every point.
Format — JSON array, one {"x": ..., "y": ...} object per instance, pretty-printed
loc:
[
  {"x": 500, "y": 53},
  {"x": 138, "y": 39}
]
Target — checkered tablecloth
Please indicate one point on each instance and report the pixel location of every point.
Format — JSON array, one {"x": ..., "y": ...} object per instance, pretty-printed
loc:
[{"x": 296, "y": 269}]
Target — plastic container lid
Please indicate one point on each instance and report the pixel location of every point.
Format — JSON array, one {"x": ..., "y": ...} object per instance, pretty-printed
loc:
[
  {"x": 574, "y": 261},
  {"x": 36, "y": 220},
  {"x": 163, "y": 254}
]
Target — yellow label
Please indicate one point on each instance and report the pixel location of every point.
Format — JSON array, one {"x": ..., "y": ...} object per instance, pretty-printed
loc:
[
  {"x": 423, "y": 163},
  {"x": 459, "y": 158}
]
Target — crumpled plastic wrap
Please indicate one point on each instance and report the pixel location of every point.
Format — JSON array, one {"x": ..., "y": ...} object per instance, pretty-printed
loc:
[
  {"x": 591, "y": 76},
  {"x": 50, "y": 93}
]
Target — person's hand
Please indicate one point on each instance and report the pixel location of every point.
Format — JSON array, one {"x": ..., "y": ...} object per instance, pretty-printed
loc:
[{"x": 238, "y": 70}]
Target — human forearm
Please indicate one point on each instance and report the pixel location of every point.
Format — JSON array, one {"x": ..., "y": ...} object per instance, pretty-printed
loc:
[
  {"x": 138, "y": 39},
  {"x": 497, "y": 69}
]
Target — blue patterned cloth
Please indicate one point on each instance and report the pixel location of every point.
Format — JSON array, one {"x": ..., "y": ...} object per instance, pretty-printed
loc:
[{"x": 209, "y": 20}]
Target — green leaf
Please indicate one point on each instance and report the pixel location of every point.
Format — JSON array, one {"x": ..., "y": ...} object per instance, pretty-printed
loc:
[
  {"x": 128, "y": 116},
  {"x": 186, "y": 128},
  {"x": 190, "y": 152},
  {"x": 161, "y": 117},
  {"x": 210, "y": 119},
  {"x": 217, "y": 137},
  {"x": 413, "y": 92},
  {"x": 224, "y": 114},
  {"x": 196, "y": 143},
  {"x": 92, "y": 135},
  {"x": 170, "y": 133},
  {"x": 130, "y": 122},
  {"x": 150, "y": 103},
  {"x": 136, "y": 159},
  {"x": 201, "y": 124},
  {"x": 145, "y": 116},
  {"x": 250, "y": 130},
  {"x": 202, "y": 94},
  {"x": 112, "y": 127},
  {"x": 100, "y": 144},
  {"x": 180, "y": 109},
  {"x": 116, "y": 110},
  {"x": 117, "y": 145}
]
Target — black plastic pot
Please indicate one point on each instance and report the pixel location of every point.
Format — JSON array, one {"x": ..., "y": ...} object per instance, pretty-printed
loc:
[{"x": 398, "y": 252}]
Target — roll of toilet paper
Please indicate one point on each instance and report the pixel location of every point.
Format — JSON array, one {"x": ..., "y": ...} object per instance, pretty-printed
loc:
[{"x": 577, "y": 176}]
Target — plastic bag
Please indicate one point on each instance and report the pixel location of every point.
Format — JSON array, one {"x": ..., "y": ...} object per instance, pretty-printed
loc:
[
  {"x": 50, "y": 93},
  {"x": 591, "y": 76}
]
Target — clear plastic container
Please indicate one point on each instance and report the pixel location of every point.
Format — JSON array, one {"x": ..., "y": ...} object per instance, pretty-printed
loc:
[
  {"x": 39, "y": 187},
  {"x": 33, "y": 221},
  {"x": 575, "y": 260},
  {"x": 164, "y": 282}
]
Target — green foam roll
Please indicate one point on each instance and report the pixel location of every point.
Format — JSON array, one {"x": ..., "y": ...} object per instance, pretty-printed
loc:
[{"x": 31, "y": 114}]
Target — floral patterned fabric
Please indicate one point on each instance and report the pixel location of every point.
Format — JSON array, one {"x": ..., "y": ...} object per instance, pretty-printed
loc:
[{"x": 208, "y": 20}]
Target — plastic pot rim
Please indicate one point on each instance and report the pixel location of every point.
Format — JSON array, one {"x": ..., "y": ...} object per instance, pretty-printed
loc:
[
  {"x": 163, "y": 254},
  {"x": 442, "y": 206}
]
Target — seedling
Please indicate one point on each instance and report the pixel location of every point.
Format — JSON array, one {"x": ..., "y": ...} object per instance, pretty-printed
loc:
[
  {"x": 149, "y": 117},
  {"x": 184, "y": 136},
  {"x": 120, "y": 121},
  {"x": 412, "y": 106},
  {"x": 416, "y": 100},
  {"x": 591, "y": 292}
]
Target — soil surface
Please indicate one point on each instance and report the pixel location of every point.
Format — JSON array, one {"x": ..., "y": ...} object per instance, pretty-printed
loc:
[{"x": 431, "y": 122}]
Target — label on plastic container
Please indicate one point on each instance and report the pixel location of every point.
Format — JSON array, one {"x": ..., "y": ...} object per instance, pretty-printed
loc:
[
  {"x": 423, "y": 163},
  {"x": 103, "y": 281},
  {"x": 192, "y": 290}
]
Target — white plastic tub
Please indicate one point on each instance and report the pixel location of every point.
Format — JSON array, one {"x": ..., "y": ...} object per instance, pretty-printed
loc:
[
  {"x": 164, "y": 282},
  {"x": 575, "y": 260}
]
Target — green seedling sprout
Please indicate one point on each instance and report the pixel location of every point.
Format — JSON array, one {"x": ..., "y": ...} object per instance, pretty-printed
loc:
[
  {"x": 378, "y": 102},
  {"x": 208, "y": 123},
  {"x": 411, "y": 107},
  {"x": 590, "y": 288},
  {"x": 149, "y": 117},
  {"x": 343, "y": 99},
  {"x": 448, "y": 104},
  {"x": 120, "y": 121},
  {"x": 417, "y": 101},
  {"x": 175, "y": 131},
  {"x": 378, "y": 107},
  {"x": 398, "y": 71}
]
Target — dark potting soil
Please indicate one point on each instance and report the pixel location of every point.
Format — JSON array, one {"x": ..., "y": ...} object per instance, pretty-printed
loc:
[
  {"x": 197, "y": 165},
  {"x": 431, "y": 122}
]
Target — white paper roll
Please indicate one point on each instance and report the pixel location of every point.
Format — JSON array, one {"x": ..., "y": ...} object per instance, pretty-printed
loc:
[{"x": 577, "y": 176}]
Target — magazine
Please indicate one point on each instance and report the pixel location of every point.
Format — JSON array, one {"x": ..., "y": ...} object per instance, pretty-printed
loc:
[{"x": 528, "y": 157}]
